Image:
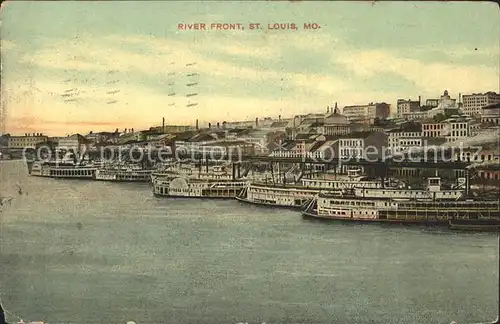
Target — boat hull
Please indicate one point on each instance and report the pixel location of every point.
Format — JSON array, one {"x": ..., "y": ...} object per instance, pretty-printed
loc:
[
  {"x": 475, "y": 225},
  {"x": 312, "y": 215},
  {"x": 268, "y": 204}
]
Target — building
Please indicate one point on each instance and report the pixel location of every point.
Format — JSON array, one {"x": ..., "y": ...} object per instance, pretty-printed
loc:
[
  {"x": 491, "y": 114},
  {"x": 451, "y": 129},
  {"x": 160, "y": 141},
  {"x": 336, "y": 124},
  {"x": 478, "y": 154},
  {"x": 432, "y": 103},
  {"x": 103, "y": 137},
  {"x": 432, "y": 129},
  {"x": 302, "y": 146},
  {"x": 415, "y": 115},
  {"x": 233, "y": 149},
  {"x": 28, "y": 140},
  {"x": 362, "y": 145},
  {"x": 366, "y": 114},
  {"x": 405, "y": 137},
  {"x": 456, "y": 129},
  {"x": 473, "y": 103},
  {"x": 407, "y": 106},
  {"x": 446, "y": 105},
  {"x": 76, "y": 142}
]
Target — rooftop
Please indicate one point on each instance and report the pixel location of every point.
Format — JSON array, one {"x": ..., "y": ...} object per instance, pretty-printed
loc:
[{"x": 493, "y": 106}]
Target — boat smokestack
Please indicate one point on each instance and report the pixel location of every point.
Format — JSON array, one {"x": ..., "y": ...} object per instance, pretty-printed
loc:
[
  {"x": 197, "y": 125},
  {"x": 256, "y": 122},
  {"x": 163, "y": 125},
  {"x": 419, "y": 100}
]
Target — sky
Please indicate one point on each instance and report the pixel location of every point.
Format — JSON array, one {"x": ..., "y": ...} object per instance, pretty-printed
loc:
[{"x": 126, "y": 64}]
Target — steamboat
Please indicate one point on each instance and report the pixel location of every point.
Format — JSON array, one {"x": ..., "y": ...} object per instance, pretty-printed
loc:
[
  {"x": 422, "y": 206},
  {"x": 218, "y": 172},
  {"x": 296, "y": 195},
  {"x": 195, "y": 188},
  {"x": 63, "y": 169},
  {"x": 123, "y": 173}
]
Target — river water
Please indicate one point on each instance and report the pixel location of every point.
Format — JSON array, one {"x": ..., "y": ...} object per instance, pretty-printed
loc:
[{"x": 97, "y": 252}]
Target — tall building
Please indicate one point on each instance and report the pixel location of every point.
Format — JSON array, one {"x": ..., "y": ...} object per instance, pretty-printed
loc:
[
  {"x": 366, "y": 114},
  {"x": 407, "y": 106},
  {"x": 473, "y": 103}
]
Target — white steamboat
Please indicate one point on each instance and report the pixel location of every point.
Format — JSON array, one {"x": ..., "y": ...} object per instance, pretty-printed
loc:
[
  {"x": 190, "y": 171},
  {"x": 64, "y": 169},
  {"x": 296, "y": 195},
  {"x": 123, "y": 173},
  {"x": 208, "y": 182},
  {"x": 194, "y": 188},
  {"x": 429, "y": 206}
]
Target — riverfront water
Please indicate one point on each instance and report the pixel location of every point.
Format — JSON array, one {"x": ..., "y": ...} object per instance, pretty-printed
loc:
[{"x": 97, "y": 252}]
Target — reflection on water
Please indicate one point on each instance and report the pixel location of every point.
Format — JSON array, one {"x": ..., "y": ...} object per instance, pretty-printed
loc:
[{"x": 97, "y": 252}]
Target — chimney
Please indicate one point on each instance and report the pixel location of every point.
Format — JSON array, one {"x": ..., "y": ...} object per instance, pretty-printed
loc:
[
  {"x": 218, "y": 125},
  {"x": 209, "y": 125},
  {"x": 197, "y": 124},
  {"x": 132, "y": 130},
  {"x": 256, "y": 122},
  {"x": 163, "y": 125},
  {"x": 419, "y": 100},
  {"x": 125, "y": 131},
  {"x": 279, "y": 117}
]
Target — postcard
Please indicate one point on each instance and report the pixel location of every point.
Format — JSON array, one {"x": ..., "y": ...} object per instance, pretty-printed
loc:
[{"x": 249, "y": 162}]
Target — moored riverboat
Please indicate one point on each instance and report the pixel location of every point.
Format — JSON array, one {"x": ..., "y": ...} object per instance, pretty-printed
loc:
[
  {"x": 194, "y": 188},
  {"x": 67, "y": 170},
  {"x": 123, "y": 173},
  {"x": 191, "y": 171},
  {"x": 297, "y": 194},
  {"x": 446, "y": 210}
]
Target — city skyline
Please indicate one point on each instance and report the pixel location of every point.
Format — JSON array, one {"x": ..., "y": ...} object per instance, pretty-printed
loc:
[{"x": 117, "y": 58}]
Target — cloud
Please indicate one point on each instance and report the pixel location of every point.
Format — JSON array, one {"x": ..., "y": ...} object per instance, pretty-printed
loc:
[
  {"x": 428, "y": 77},
  {"x": 162, "y": 57},
  {"x": 225, "y": 62}
]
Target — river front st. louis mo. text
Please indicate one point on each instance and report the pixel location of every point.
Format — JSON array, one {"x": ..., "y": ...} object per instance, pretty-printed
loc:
[{"x": 251, "y": 26}]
